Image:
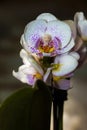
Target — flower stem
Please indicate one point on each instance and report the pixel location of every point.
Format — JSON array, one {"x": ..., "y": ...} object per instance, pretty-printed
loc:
[{"x": 59, "y": 96}]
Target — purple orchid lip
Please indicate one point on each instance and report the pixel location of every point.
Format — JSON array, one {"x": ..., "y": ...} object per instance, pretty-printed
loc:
[
  {"x": 57, "y": 43},
  {"x": 53, "y": 45}
]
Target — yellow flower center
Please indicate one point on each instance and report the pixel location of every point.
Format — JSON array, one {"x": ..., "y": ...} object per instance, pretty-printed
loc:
[
  {"x": 38, "y": 75},
  {"x": 46, "y": 44},
  {"x": 57, "y": 67},
  {"x": 46, "y": 49},
  {"x": 57, "y": 78}
]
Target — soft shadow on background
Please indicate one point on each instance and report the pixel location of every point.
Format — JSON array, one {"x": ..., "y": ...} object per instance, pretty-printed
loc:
[{"x": 13, "y": 18}]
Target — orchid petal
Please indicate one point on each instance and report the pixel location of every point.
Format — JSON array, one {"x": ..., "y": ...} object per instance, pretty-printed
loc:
[
  {"x": 83, "y": 56},
  {"x": 79, "y": 43},
  {"x": 47, "y": 74},
  {"x": 27, "y": 74},
  {"x": 79, "y": 16},
  {"x": 66, "y": 64},
  {"x": 23, "y": 77},
  {"x": 59, "y": 30},
  {"x": 20, "y": 76},
  {"x": 28, "y": 59},
  {"x": 24, "y": 56},
  {"x": 68, "y": 47},
  {"x": 30, "y": 73},
  {"x": 27, "y": 69},
  {"x": 81, "y": 24},
  {"x": 62, "y": 84},
  {"x": 72, "y": 26},
  {"x": 46, "y": 16},
  {"x": 33, "y": 31},
  {"x": 75, "y": 55},
  {"x": 24, "y": 44}
]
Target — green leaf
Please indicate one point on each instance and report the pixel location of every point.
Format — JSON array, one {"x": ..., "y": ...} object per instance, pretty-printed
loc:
[{"x": 27, "y": 109}]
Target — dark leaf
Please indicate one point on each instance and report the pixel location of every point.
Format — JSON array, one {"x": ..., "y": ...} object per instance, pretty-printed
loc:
[{"x": 27, "y": 109}]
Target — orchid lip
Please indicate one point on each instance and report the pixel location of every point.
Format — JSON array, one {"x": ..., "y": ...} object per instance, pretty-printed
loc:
[{"x": 46, "y": 47}]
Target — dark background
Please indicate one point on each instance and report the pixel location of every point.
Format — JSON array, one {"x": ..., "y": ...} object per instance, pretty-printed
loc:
[{"x": 14, "y": 15}]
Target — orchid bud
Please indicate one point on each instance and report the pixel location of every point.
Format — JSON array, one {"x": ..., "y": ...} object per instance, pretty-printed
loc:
[{"x": 81, "y": 23}]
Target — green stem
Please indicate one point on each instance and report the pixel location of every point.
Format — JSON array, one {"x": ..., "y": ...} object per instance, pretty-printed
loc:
[
  {"x": 58, "y": 116},
  {"x": 59, "y": 96}
]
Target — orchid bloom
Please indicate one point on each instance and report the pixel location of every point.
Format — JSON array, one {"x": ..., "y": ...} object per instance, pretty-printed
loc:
[
  {"x": 63, "y": 68},
  {"x": 30, "y": 71},
  {"x": 47, "y": 36},
  {"x": 81, "y": 23}
]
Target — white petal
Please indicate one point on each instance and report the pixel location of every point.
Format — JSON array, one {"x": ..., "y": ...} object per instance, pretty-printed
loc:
[
  {"x": 68, "y": 47},
  {"x": 82, "y": 27},
  {"x": 72, "y": 26},
  {"x": 75, "y": 55},
  {"x": 60, "y": 30},
  {"x": 67, "y": 65},
  {"x": 33, "y": 31},
  {"x": 25, "y": 74},
  {"x": 79, "y": 43},
  {"x": 27, "y": 70},
  {"x": 47, "y": 16},
  {"x": 47, "y": 74},
  {"x": 79, "y": 16},
  {"x": 81, "y": 24},
  {"x": 25, "y": 56},
  {"x": 20, "y": 76},
  {"x": 24, "y": 44},
  {"x": 29, "y": 60}
]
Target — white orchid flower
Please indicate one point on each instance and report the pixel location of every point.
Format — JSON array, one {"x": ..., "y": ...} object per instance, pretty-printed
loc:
[
  {"x": 62, "y": 69},
  {"x": 81, "y": 23},
  {"x": 30, "y": 71},
  {"x": 47, "y": 36},
  {"x": 65, "y": 64}
]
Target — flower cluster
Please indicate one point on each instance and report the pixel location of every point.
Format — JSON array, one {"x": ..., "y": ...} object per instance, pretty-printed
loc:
[{"x": 53, "y": 49}]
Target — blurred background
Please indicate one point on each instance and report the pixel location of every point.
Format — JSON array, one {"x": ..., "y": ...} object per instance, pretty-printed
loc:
[{"x": 14, "y": 15}]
